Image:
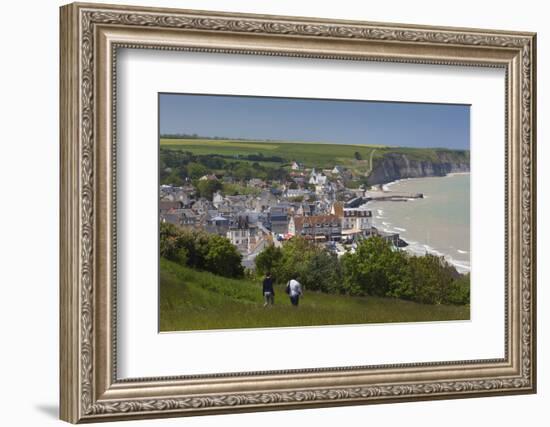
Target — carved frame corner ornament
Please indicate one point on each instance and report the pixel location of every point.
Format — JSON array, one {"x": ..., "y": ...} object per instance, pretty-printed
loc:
[{"x": 90, "y": 37}]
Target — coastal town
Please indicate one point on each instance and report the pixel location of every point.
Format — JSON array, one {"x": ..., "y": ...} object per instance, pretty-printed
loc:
[
  {"x": 315, "y": 204},
  {"x": 267, "y": 205}
]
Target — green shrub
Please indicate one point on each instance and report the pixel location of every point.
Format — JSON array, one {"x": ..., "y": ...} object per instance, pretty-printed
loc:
[{"x": 200, "y": 250}]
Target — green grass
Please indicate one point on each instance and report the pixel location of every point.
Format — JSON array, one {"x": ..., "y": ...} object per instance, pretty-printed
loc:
[
  {"x": 193, "y": 300},
  {"x": 318, "y": 155},
  {"x": 310, "y": 154}
]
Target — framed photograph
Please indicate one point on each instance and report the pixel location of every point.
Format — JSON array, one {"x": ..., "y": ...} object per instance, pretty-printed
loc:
[{"x": 265, "y": 212}]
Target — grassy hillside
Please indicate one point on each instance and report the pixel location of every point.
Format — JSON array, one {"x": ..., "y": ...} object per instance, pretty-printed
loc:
[
  {"x": 311, "y": 154},
  {"x": 192, "y": 300}
]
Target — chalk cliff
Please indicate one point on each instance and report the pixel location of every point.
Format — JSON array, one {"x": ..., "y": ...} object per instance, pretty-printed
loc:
[{"x": 397, "y": 165}]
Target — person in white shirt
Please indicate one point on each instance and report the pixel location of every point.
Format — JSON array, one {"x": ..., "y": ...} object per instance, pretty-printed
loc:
[{"x": 294, "y": 291}]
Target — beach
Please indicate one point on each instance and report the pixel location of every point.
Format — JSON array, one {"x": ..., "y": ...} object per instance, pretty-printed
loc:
[{"x": 438, "y": 223}]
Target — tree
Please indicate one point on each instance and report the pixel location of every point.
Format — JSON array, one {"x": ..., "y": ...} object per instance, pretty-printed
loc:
[
  {"x": 168, "y": 241},
  {"x": 459, "y": 291},
  {"x": 357, "y": 155},
  {"x": 243, "y": 172},
  {"x": 223, "y": 258},
  {"x": 172, "y": 179},
  {"x": 431, "y": 279},
  {"x": 323, "y": 273},
  {"x": 375, "y": 268},
  {"x": 208, "y": 187},
  {"x": 295, "y": 256},
  {"x": 200, "y": 250},
  {"x": 312, "y": 265},
  {"x": 196, "y": 170},
  {"x": 268, "y": 260}
]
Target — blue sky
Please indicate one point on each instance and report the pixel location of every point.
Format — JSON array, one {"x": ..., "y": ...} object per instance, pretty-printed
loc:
[{"x": 314, "y": 120}]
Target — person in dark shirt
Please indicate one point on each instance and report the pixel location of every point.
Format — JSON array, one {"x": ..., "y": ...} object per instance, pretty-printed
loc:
[{"x": 268, "y": 291}]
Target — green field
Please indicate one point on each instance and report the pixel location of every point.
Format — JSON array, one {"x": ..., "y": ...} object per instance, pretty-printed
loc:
[
  {"x": 318, "y": 155},
  {"x": 193, "y": 300},
  {"x": 310, "y": 154}
]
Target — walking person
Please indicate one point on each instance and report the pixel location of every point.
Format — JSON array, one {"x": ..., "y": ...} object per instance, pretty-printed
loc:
[
  {"x": 268, "y": 291},
  {"x": 294, "y": 290}
]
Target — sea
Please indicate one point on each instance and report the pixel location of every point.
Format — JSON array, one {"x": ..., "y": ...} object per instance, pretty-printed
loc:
[{"x": 438, "y": 224}]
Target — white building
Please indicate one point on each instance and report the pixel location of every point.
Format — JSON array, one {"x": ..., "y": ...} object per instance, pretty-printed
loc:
[
  {"x": 297, "y": 192},
  {"x": 218, "y": 198},
  {"x": 296, "y": 166},
  {"x": 356, "y": 219},
  {"x": 337, "y": 170},
  {"x": 352, "y": 218},
  {"x": 243, "y": 234},
  {"x": 317, "y": 179}
]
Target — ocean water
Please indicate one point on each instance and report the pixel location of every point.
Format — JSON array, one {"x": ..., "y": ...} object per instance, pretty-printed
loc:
[{"x": 438, "y": 224}]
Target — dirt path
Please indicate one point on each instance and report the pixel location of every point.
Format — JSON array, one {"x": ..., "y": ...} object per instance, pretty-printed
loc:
[{"x": 370, "y": 162}]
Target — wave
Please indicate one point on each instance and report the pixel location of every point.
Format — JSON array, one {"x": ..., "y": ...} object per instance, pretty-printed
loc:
[
  {"x": 421, "y": 249},
  {"x": 461, "y": 266},
  {"x": 431, "y": 250},
  {"x": 402, "y": 219},
  {"x": 386, "y": 187}
]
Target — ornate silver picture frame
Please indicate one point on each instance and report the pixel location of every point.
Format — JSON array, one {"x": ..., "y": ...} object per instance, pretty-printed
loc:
[{"x": 91, "y": 35}]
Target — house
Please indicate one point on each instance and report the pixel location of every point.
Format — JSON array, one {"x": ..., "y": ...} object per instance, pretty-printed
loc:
[
  {"x": 296, "y": 166},
  {"x": 217, "y": 198},
  {"x": 305, "y": 209},
  {"x": 338, "y": 170},
  {"x": 352, "y": 218},
  {"x": 326, "y": 189},
  {"x": 277, "y": 219},
  {"x": 167, "y": 205},
  {"x": 265, "y": 200},
  {"x": 291, "y": 193},
  {"x": 202, "y": 206},
  {"x": 300, "y": 180},
  {"x": 189, "y": 218},
  {"x": 356, "y": 219},
  {"x": 180, "y": 217},
  {"x": 217, "y": 224},
  {"x": 256, "y": 183},
  {"x": 318, "y": 227},
  {"x": 180, "y": 194},
  {"x": 317, "y": 179},
  {"x": 337, "y": 209},
  {"x": 243, "y": 234},
  {"x": 208, "y": 177},
  {"x": 171, "y": 218}
]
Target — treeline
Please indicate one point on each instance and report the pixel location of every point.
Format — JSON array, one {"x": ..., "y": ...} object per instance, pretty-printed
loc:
[
  {"x": 259, "y": 157},
  {"x": 197, "y": 136},
  {"x": 200, "y": 250},
  {"x": 375, "y": 269},
  {"x": 177, "y": 166}
]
